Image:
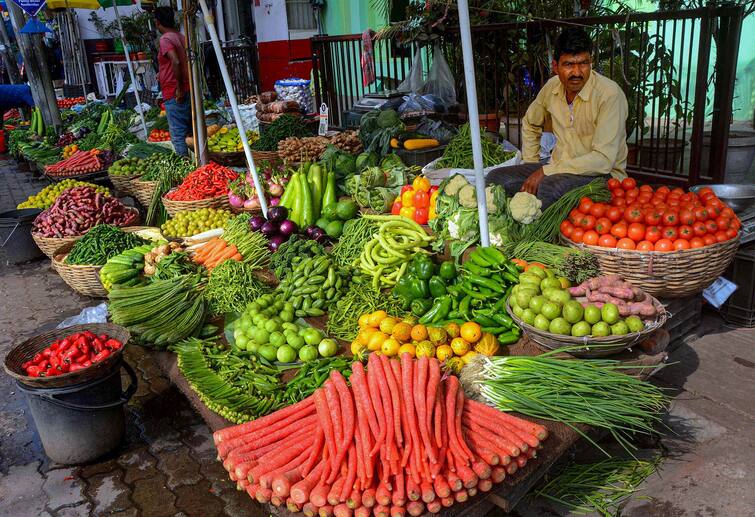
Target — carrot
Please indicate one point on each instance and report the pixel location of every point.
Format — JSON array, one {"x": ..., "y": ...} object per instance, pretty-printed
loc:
[
  {"x": 260, "y": 423},
  {"x": 323, "y": 414},
  {"x": 447, "y": 502},
  {"x": 452, "y": 389},
  {"x": 381, "y": 511},
  {"x": 420, "y": 404},
  {"x": 498, "y": 474},
  {"x": 285, "y": 457},
  {"x": 354, "y": 500},
  {"x": 398, "y": 511},
  {"x": 300, "y": 491},
  {"x": 351, "y": 474},
  {"x": 263, "y": 495},
  {"x": 433, "y": 380},
  {"x": 454, "y": 482},
  {"x": 412, "y": 489},
  {"x": 272, "y": 434},
  {"x": 385, "y": 397},
  {"x": 461, "y": 496},
  {"x": 365, "y": 416},
  {"x": 437, "y": 418},
  {"x": 450, "y": 460},
  {"x": 341, "y": 510},
  {"x": 537, "y": 430},
  {"x": 319, "y": 494},
  {"x": 471, "y": 492},
  {"x": 521, "y": 460},
  {"x": 487, "y": 455},
  {"x": 427, "y": 491},
  {"x": 511, "y": 468},
  {"x": 467, "y": 476},
  {"x": 334, "y": 496},
  {"x": 251, "y": 490},
  {"x": 499, "y": 441},
  {"x": 281, "y": 483},
  {"x": 362, "y": 511},
  {"x": 407, "y": 385},
  {"x": 315, "y": 452},
  {"x": 481, "y": 468},
  {"x": 325, "y": 510},
  {"x": 434, "y": 506},
  {"x": 516, "y": 436},
  {"x": 368, "y": 498},
  {"x": 457, "y": 423},
  {"x": 398, "y": 496},
  {"x": 485, "y": 485},
  {"x": 334, "y": 414},
  {"x": 383, "y": 495},
  {"x": 346, "y": 405},
  {"x": 276, "y": 500},
  {"x": 310, "y": 510},
  {"x": 415, "y": 508},
  {"x": 440, "y": 485},
  {"x": 237, "y": 257},
  {"x": 395, "y": 398},
  {"x": 291, "y": 506}
]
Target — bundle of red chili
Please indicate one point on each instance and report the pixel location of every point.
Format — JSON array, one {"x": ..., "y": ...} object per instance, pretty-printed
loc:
[
  {"x": 208, "y": 181},
  {"x": 75, "y": 352},
  {"x": 399, "y": 441}
]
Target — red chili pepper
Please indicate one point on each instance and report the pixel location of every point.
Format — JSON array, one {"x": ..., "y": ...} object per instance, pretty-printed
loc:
[
  {"x": 44, "y": 365},
  {"x": 98, "y": 345},
  {"x": 84, "y": 347},
  {"x": 75, "y": 367},
  {"x": 113, "y": 344},
  {"x": 102, "y": 337},
  {"x": 37, "y": 358},
  {"x": 33, "y": 371},
  {"x": 52, "y": 372},
  {"x": 70, "y": 354},
  {"x": 86, "y": 364},
  {"x": 64, "y": 368},
  {"x": 101, "y": 356},
  {"x": 46, "y": 352}
]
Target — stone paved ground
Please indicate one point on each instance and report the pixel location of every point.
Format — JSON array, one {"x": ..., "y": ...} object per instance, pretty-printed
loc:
[{"x": 167, "y": 466}]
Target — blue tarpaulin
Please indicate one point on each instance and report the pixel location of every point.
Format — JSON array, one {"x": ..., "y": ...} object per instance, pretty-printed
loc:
[{"x": 15, "y": 96}]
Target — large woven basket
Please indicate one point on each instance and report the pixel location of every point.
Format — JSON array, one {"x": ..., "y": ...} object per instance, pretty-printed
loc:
[
  {"x": 123, "y": 184},
  {"x": 26, "y": 350},
  {"x": 592, "y": 346},
  {"x": 268, "y": 156},
  {"x": 673, "y": 274},
  {"x": 83, "y": 279},
  {"x": 49, "y": 245},
  {"x": 143, "y": 190},
  {"x": 173, "y": 207}
]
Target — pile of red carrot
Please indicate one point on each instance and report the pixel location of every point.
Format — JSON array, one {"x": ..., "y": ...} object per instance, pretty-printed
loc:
[
  {"x": 215, "y": 252},
  {"x": 400, "y": 440}
]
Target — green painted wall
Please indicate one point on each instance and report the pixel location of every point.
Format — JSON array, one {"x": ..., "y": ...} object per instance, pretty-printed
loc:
[{"x": 350, "y": 17}]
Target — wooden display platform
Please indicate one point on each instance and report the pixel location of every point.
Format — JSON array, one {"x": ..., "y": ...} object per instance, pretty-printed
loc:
[{"x": 505, "y": 495}]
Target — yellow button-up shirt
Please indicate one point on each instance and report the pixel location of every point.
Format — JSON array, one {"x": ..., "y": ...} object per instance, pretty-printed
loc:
[{"x": 590, "y": 137}]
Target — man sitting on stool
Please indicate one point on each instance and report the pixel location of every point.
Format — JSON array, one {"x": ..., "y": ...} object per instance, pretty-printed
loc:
[{"x": 588, "y": 113}]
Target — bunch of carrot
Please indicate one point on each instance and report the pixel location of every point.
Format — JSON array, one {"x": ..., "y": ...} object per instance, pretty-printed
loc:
[
  {"x": 215, "y": 252},
  {"x": 399, "y": 441},
  {"x": 79, "y": 162}
]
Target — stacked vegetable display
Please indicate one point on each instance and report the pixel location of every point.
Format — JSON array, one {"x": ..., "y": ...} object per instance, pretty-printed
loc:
[
  {"x": 207, "y": 181},
  {"x": 159, "y": 135},
  {"x": 398, "y": 441},
  {"x": 128, "y": 167},
  {"x": 188, "y": 223},
  {"x": 101, "y": 243},
  {"x": 417, "y": 201},
  {"x": 80, "y": 162}
]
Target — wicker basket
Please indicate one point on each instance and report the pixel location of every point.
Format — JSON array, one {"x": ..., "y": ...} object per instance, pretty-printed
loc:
[
  {"x": 592, "y": 346},
  {"x": 49, "y": 245},
  {"x": 673, "y": 274},
  {"x": 232, "y": 159},
  {"x": 266, "y": 156},
  {"x": 143, "y": 190},
  {"x": 83, "y": 279},
  {"x": 123, "y": 184},
  {"x": 173, "y": 207},
  {"x": 26, "y": 350}
]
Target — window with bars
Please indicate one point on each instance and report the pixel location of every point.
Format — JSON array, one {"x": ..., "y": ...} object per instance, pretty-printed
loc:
[{"x": 301, "y": 16}]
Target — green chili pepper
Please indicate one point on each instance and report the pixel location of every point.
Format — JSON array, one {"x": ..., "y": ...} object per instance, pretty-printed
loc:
[
  {"x": 502, "y": 319},
  {"x": 474, "y": 269},
  {"x": 420, "y": 306},
  {"x": 507, "y": 338},
  {"x": 438, "y": 311},
  {"x": 487, "y": 283},
  {"x": 464, "y": 306}
]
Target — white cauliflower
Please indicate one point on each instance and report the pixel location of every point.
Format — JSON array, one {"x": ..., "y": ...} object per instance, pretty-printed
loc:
[{"x": 525, "y": 208}]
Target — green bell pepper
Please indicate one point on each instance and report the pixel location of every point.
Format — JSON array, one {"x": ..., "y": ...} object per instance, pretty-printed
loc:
[
  {"x": 418, "y": 288},
  {"x": 423, "y": 266},
  {"x": 420, "y": 306},
  {"x": 447, "y": 270},
  {"x": 437, "y": 286},
  {"x": 401, "y": 289}
]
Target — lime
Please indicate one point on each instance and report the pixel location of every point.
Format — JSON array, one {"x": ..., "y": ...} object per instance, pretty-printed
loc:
[
  {"x": 334, "y": 229},
  {"x": 560, "y": 326},
  {"x": 286, "y": 354},
  {"x": 322, "y": 223},
  {"x": 308, "y": 353},
  {"x": 541, "y": 322},
  {"x": 565, "y": 283},
  {"x": 619, "y": 328},
  {"x": 327, "y": 347},
  {"x": 634, "y": 324},
  {"x": 601, "y": 329},
  {"x": 551, "y": 310},
  {"x": 592, "y": 314},
  {"x": 346, "y": 209},
  {"x": 573, "y": 311},
  {"x": 277, "y": 339},
  {"x": 609, "y": 313},
  {"x": 528, "y": 316},
  {"x": 329, "y": 212},
  {"x": 268, "y": 352},
  {"x": 537, "y": 302},
  {"x": 581, "y": 328}
]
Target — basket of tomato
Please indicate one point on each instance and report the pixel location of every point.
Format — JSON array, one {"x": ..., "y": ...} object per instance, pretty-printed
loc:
[{"x": 668, "y": 242}]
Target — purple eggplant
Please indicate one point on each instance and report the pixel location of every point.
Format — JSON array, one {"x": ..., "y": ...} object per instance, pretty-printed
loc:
[
  {"x": 256, "y": 222},
  {"x": 288, "y": 228},
  {"x": 269, "y": 229},
  {"x": 275, "y": 241},
  {"x": 277, "y": 214}
]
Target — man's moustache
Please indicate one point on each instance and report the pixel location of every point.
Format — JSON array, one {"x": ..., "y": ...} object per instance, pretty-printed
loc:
[{"x": 575, "y": 77}]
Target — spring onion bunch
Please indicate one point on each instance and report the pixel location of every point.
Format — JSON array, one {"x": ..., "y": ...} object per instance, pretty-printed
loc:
[
  {"x": 599, "y": 487},
  {"x": 593, "y": 392}
]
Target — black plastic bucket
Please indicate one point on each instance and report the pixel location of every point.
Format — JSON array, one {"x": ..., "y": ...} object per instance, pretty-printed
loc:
[
  {"x": 15, "y": 235},
  {"x": 80, "y": 423}
]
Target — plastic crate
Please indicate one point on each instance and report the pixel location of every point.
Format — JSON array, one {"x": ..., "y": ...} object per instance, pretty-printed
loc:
[
  {"x": 420, "y": 157},
  {"x": 739, "y": 309}
]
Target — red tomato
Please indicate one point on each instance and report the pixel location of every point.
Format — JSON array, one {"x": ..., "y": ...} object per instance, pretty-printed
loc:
[
  {"x": 628, "y": 183},
  {"x": 670, "y": 218},
  {"x": 626, "y": 244},
  {"x": 574, "y": 216},
  {"x": 686, "y": 232},
  {"x": 633, "y": 193},
  {"x": 664, "y": 245},
  {"x": 636, "y": 231},
  {"x": 669, "y": 232},
  {"x": 645, "y": 246},
  {"x": 421, "y": 215},
  {"x": 603, "y": 225},
  {"x": 723, "y": 222},
  {"x": 686, "y": 216},
  {"x": 681, "y": 244},
  {"x": 577, "y": 234},
  {"x": 613, "y": 184},
  {"x": 653, "y": 217},
  {"x": 673, "y": 202},
  {"x": 662, "y": 191},
  {"x": 735, "y": 224},
  {"x": 646, "y": 188},
  {"x": 618, "y": 193},
  {"x": 585, "y": 204},
  {"x": 633, "y": 214},
  {"x": 704, "y": 191},
  {"x": 614, "y": 214},
  {"x": 607, "y": 241},
  {"x": 566, "y": 228},
  {"x": 598, "y": 209},
  {"x": 731, "y": 233},
  {"x": 587, "y": 222},
  {"x": 657, "y": 201},
  {"x": 721, "y": 236},
  {"x": 652, "y": 234},
  {"x": 711, "y": 225},
  {"x": 619, "y": 201},
  {"x": 696, "y": 242},
  {"x": 728, "y": 212},
  {"x": 699, "y": 228},
  {"x": 644, "y": 197},
  {"x": 709, "y": 239},
  {"x": 619, "y": 230},
  {"x": 677, "y": 192},
  {"x": 591, "y": 237},
  {"x": 701, "y": 214}
]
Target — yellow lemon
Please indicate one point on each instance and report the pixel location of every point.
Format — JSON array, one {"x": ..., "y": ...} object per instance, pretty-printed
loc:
[
  {"x": 471, "y": 331},
  {"x": 443, "y": 352},
  {"x": 402, "y": 331},
  {"x": 376, "y": 340},
  {"x": 425, "y": 349},
  {"x": 419, "y": 332},
  {"x": 376, "y": 317},
  {"x": 466, "y": 358},
  {"x": 390, "y": 347},
  {"x": 365, "y": 335},
  {"x": 364, "y": 320},
  {"x": 459, "y": 346},
  {"x": 407, "y": 348},
  {"x": 357, "y": 347},
  {"x": 388, "y": 324}
]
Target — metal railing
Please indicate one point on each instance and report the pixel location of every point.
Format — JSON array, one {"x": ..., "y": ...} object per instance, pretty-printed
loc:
[
  {"x": 241, "y": 60},
  {"x": 676, "y": 69}
]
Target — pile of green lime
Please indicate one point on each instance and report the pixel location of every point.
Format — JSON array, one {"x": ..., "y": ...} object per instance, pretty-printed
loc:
[
  {"x": 47, "y": 196},
  {"x": 267, "y": 328},
  {"x": 188, "y": 223},
  {"x": 334, "y": 215},
  {"x": 540, "y": 299},
  {"x": 128, "y": 167}
]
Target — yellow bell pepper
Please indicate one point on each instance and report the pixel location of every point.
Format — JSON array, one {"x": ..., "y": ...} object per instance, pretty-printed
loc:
[
  {"x": 407, "y": 199},
  {"x": 408, "y": 212},
  {"x": 421, "y": 183}
]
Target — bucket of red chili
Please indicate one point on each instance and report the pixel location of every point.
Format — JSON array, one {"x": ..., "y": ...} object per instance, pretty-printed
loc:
[{"x": 67, "y": 356}]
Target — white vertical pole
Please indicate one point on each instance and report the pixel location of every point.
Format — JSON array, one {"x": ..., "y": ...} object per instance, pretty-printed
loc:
[
  {"x": 474, "y": 124},
  {"x": 210, "y": 24},
  {"x": 130, "y": 69}
]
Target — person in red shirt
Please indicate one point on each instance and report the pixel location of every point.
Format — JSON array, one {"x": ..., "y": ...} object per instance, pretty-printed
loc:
[{"x": 173, "y": 75}]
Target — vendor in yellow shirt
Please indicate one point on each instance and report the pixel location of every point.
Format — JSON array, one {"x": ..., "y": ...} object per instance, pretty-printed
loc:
[{"x": 588, "y": 114}]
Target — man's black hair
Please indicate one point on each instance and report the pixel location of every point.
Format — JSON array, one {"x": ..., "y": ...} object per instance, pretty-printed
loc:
[
  {"x": 165, "y": 16},
  {"x": 572, "y": 40}
]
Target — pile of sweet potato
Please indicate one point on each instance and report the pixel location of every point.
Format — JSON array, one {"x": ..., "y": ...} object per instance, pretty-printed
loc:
[{"x": 613, "y": 289}]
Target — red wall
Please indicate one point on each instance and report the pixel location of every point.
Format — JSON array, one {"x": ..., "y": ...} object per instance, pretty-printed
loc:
[{"x": 284, "y": 59}]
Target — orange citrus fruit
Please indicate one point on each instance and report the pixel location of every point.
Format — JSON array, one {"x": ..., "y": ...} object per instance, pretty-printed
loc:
[
  {"x": 390, "y": 347},
  {"x": 471, "y": 332},
  {"x": 402, "y": 331},
  {"x": 407, "y": 348},
  {"x": 376, "y": 340},
  {"x": 453, "y": 330},
  {"x": 419, "y": 332},
  {"x": 443, "y": 352},
  {"x": 460, "y": 346}
]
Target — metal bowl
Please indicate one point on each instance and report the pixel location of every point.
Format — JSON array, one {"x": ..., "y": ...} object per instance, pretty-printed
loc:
[{"x": 738, "y": 196}]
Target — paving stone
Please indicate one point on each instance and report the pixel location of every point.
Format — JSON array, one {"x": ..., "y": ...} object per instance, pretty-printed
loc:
[
  {"x": 131, "y": 512},
  {"x": 138, "y": 464},
  {"x": 81, "y": 510},
  {"x": 62, "y": 488},
  {"x": 21, "y": 490},
  {"x": 153, "y": 498},
  {"x": 198, "y": 437},
  {"x": 159, "y": 385},
  {"x": 197, "y": 500},
  {"x": 179, "y": 466},
  {"x": 108, "y": 493},
  {"x": 158, "y": 432},
  {"x": 93, "y": 469}
]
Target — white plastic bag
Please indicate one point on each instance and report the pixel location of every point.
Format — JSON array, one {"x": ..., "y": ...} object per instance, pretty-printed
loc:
[
  {"x": 440, "y": 80},
  {"x": 96, "y": 314},
  {"x": 414, "y": 81}
]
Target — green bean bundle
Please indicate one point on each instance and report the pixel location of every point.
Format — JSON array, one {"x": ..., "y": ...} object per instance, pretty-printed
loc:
[
  {"x": 458, "y": 153},
  {"x": 251, "y": 245},
  {"x": 232, "y": 286},
  {"x": 101, "y": 243},
  {"x": 360, "y": 298},
  {"x": 356, "y": 234}
]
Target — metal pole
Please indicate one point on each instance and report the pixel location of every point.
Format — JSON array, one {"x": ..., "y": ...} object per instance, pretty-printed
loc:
[
  {"x": 474, "y": 125},
  {"x": 195, "y": 88},
  {"x": 130, "y": 69},
  {"x": 210, "y": 24},
  {"x": 71, "y": 20}
]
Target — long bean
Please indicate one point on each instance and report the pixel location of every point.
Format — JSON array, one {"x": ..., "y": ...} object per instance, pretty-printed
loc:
[
  {"x": 458, "y": 153},
  {"x": 356, "y": 233}
]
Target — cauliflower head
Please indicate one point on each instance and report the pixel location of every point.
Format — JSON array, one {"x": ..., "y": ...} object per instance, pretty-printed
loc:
[{"x": 525, "y": 208}]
